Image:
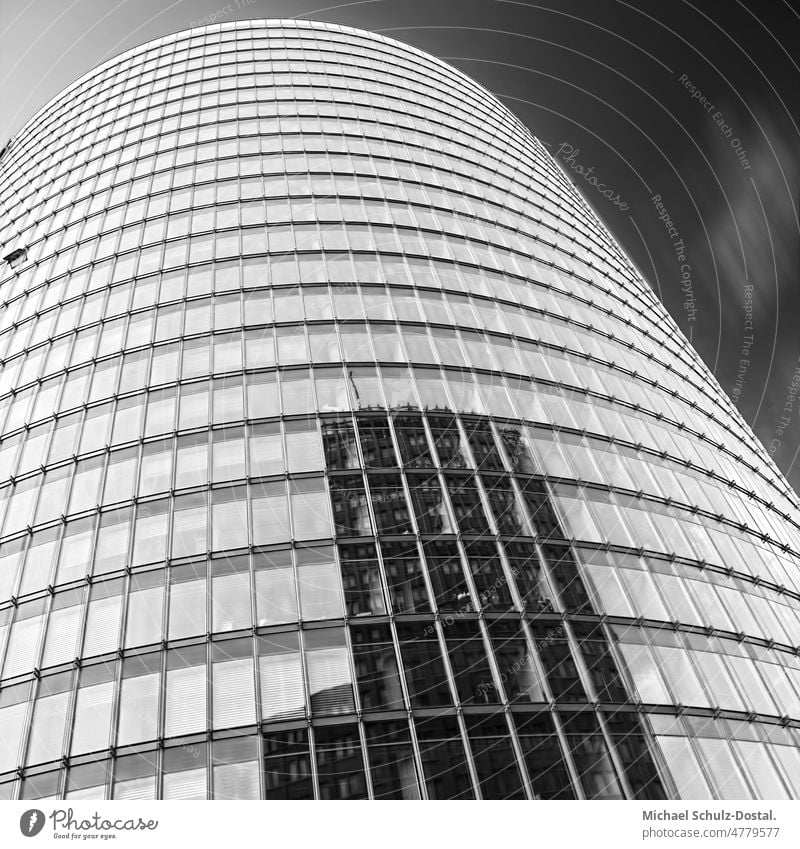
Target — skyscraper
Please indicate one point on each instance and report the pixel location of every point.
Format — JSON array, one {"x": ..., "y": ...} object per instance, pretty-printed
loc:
[{"x": 343, "y": 453}]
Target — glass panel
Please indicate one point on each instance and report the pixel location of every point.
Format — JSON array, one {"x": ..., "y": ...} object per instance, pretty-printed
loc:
[
  {"x": 233, "y": 690},
  {"x": 340, "y": 765},
  {"x": 185, "y": 697},
  {"x": 329, "y": 678},
  {"x": 281, "y": 675},
  {"x": 391, "y": 760},
  {"x": 138, "y": 701},
  {"x": 287, "y": 765}
]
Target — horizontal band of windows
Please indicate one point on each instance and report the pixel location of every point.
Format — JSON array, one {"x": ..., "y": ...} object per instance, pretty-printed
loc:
[
  {"x": 472, "y": 286},
  {"x": 576, "y": 245},
  {"x": 556, "y": 466},
  {"x": 321, "y": 374},
  {"x": 652, "y": 631},
  {"x": 331, "y": 65},
  {"x": 349, "y": 98},
  {"x": 344, "y": 124},
  {"x": 676, "y": 395},
  {"x": 567, "y": 256},
  {"x": 238, "y": 435},
  {"x": 435, "y": 164},
  {"x": 539, "y": 332},
  {"x": 293, "y": 373}
]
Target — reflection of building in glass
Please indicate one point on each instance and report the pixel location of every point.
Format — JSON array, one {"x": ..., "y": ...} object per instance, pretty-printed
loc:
[{"x": 343, "y": 453}]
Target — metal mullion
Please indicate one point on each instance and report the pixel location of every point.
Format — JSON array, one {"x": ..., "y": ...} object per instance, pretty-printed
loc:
[
  {"x": 362, "y": 736},
  {"x": 25, "y": 737},
  {"x": 262, "y": 791},
  {"x": 117, "y": 691},
  {"x": 566, "y": 753},
  {"x": 161, "y": 707},
  {"x": 246, "y": 428},
  {"x": 473, "y": 770},
  {"x": 69, "y": 720},
  {"x": 209, "y": 724}
]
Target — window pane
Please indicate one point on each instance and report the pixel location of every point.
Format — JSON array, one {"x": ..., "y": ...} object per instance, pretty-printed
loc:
[
  {"x": 234, "y": 697},
  {"x": 281, "y": 675},
  {"x": 329, "y": 679},
  {"x": 185, "y": 710}
]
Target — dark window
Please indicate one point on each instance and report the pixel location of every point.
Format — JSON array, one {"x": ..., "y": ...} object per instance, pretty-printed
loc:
[
  {"x": 590, "y": 755},
  {"x": 466, "y": 503},
  {"x": 542, "y": 514},
  {"x": 495, "y": 764},
  {"x": 340, "y": 765},
  {"x": 391, "y": 761},
  {"x": 518, "y": 672},
  {"x": 413, "y": 442},
  {"x": 602, "y": 668},
  {"x": 376, "y": 442},
  {"x": 488, "y": 575},
  {"x": 350, "y": 507},
  {"x": 540, "y": 747},
  {"x": 389, "y": 504},
  {"x": 519, "y": 454},
  {"x": 287, "y": 765},
  {"x": 471, "y": 671},
  {"x": 447, "y": 439},
  {"x": 527, "y": 572},
  {"x": 559, "y": 665},
  {"x": 376, "y": 667},
  {"x": 503, "y": 502},
  {"x": 339, "y": 443},
  {"x": 629, "y": 741},
  {"x": 405, "y": 576},
  {"x": 447, "y": 575},
  {"x": 484, "y": 450},
  {"x": 429, "y": 506},
  {"x": 443, "y": 758},
  {"x": 361, "y": 579},
  {"x": 424, "y": 669},
  {"x": 567, "y": 578}
]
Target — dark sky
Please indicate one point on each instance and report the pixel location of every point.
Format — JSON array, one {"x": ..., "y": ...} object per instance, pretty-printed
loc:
[{"x": 697, "y": 103}]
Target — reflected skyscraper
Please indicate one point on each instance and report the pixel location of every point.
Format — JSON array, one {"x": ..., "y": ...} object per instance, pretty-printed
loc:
[{"x": 343, "y": 453}]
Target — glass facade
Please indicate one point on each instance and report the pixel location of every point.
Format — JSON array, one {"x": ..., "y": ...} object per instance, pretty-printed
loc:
[{"x": 344, "y": 454}]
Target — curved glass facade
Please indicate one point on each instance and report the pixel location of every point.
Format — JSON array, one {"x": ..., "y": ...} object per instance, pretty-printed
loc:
[{"x": 344, "y": 454}]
